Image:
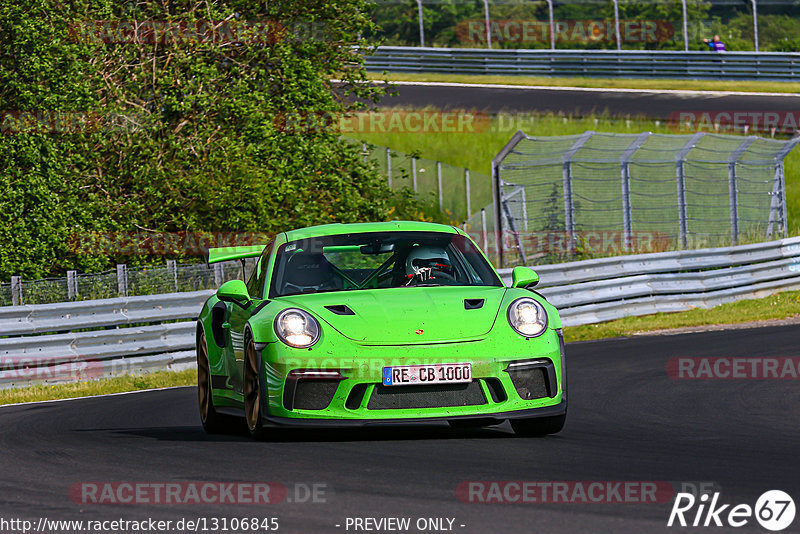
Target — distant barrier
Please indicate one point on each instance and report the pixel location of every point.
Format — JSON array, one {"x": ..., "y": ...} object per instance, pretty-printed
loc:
[{"x": 777, "y": 66}]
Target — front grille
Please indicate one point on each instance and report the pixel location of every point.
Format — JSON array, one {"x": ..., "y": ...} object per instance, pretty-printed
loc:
[
  {"x": 309, "y": 394},
  {"x": 530, "y": 383},
  {"x": 441, "y": 396}
]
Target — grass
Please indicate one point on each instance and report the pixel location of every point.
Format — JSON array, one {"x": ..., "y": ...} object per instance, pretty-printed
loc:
[
  {"x": 160, "y": 379},
  {"x": 779, "y": 306},
  {"x": 475, "y": 150},
  {"x": 600, "y": 83}
]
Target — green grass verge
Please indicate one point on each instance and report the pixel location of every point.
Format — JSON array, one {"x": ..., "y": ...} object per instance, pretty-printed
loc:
[
  {"x": 161, "y": 379},
  {"x": 599, "y": 83},
  {"x": 779, "y": 306}
]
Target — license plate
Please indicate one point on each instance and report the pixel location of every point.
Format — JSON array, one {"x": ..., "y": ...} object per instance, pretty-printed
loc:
[{"x": 415, "y": 375}]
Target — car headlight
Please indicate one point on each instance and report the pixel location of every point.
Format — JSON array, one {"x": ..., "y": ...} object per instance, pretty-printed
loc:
[
  {"x": 297, "y": 328},
  {"x": 527, "y": 317}
]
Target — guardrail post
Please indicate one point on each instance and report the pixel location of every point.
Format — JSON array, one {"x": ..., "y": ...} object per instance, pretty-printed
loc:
[
  {"x": 72, "y": 284},
  {"x": 439, "y": 184},
  {"x": 172, "y": 269},
  {"x": 389, "y": 166},
  {"x": 414, "y": 174},
  {"x": 122, "y": 280},
  {"x": 219, "y": 274},
  {"x": 466, "y": 184},
  {"x": 16, "y": 291}
]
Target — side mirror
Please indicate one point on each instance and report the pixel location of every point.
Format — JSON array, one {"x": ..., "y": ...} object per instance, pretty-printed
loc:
[
  {"x": 524, "y": 277},
  {"x": 234, "y": 291}
]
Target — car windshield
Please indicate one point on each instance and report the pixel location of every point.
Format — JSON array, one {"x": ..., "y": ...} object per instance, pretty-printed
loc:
[{"x": 379, "y": 260}]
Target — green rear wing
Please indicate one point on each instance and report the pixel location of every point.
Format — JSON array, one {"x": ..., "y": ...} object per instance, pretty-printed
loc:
[{"x": 216, "y": 255}]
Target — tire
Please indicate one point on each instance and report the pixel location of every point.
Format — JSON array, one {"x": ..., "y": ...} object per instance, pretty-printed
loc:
[
  {"x": 463, "y": 424},
  {"x": 253, "y": 400},
  {"x": 213, "y": 422},
  {"x": 538, "y": 426}
]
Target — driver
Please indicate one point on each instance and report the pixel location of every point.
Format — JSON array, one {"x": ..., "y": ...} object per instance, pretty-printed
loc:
[{"x": 422, "y": 261}]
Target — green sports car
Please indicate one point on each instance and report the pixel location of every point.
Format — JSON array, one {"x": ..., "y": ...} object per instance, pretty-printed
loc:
[{"x": 361, "y": 324}]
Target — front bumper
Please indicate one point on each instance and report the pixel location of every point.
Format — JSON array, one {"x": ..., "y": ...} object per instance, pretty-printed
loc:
[{"x": 357, "y": 398}]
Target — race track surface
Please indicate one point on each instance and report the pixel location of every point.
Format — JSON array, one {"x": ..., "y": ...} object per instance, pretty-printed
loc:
[
  {"x": 628, "y": 420},
  {"x": 582, "y": 102}
]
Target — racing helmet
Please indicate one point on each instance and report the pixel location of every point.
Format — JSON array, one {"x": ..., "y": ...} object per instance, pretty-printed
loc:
[{"x": 423, "y": 256}]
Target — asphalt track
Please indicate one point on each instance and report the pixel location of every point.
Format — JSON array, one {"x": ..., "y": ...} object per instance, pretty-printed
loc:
[
  {"x": 583, "y": 102},
  {"x": 628, "y": 421}
]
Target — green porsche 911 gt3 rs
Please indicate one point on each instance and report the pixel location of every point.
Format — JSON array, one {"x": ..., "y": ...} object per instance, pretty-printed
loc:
[{"x": 359, "y": 324}]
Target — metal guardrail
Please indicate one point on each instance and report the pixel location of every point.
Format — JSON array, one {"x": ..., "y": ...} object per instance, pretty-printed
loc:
[
  {"x": 91, "y": 339},
  {"x": 778, "y": 66},
  {"x": 609, "y": 288},
  {"x": 73, "y": 341}
]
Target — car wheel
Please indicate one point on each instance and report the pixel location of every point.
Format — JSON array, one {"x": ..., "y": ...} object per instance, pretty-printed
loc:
[
  {"x": 252, "y": 392},
  {"x": 538, "y": 426},
  {"x": 213, "y": 422}
]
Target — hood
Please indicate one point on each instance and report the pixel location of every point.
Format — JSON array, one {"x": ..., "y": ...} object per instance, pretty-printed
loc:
[{"x": 397, "y": 315}]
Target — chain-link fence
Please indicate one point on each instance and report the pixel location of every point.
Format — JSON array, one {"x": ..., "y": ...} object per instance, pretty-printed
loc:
[
  {"x": 458, "y": 192},
  {"x": 599, "y": 194},
  {"x": 745, "y": 25},
  {"x": 122, "y": 282}
]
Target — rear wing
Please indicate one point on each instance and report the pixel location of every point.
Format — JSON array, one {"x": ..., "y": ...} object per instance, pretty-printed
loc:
[{"x": 216, "y": 255}]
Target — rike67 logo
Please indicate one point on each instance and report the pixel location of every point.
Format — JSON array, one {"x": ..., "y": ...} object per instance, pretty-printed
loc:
[{"x": 774, "y": 510}]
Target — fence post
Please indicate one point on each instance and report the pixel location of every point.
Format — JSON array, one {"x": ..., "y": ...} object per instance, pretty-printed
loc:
[
  {"x": 466, "y": 183},
  {"x": 414, "y": 174},
  {"x": 566, "y": 180},
  {"x": 16, "y": 291},
  {"x": 219, "y": 274},
  {"x": 484, "y": 233},
  {"x": 685, "y": 27},
  {"x": 72, "y": 284},
  {"x": 439, "y": 182},
  {"x": 172, "y": 269},
  {"x": 625, "y": 173},
  {"x": 733, "y": 192},
  {"x": 755, "y": 24},
  {"x": 683, "y": 229},
  {"x": 364, "y": 151},
  {"x": 122, "y": 280},
  {"x": 487, "y": 23},
  {"x": 389, "y": 166},
  {"x": 421, "y": 24}
]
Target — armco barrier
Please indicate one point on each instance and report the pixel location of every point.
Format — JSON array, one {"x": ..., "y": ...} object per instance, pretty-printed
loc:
[
  {"x": 90, "y": 339},
  {"x": 780, "y": 66},
  {"x": 67, "y": 341},
  {"x": 609, "y": 288}
]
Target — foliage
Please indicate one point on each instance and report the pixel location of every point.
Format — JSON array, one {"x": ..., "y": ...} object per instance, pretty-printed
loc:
[{"x": 176, "y": 132}]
